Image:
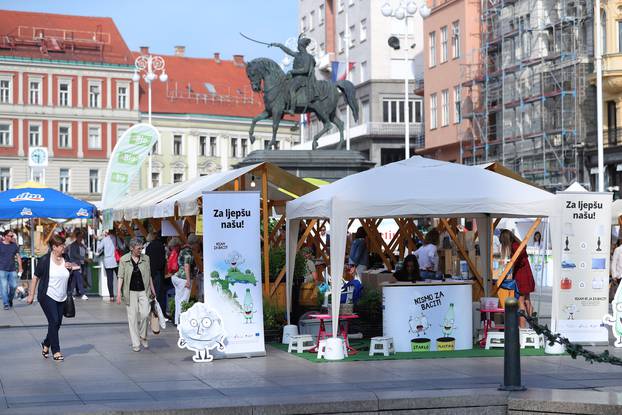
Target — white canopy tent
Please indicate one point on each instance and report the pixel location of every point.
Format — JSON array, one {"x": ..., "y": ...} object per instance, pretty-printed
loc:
[
  {"x": 413, "y": 187},
  {"x": 186, "y": 200}
]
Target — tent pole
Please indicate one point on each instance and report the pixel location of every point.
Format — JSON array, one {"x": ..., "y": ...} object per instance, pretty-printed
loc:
[{"x": 266, "y": 243}]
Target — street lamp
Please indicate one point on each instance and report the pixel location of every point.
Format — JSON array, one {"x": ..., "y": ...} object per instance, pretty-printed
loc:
[
  {"x": 402, "y": 12},
  {"x": 150, "y": 65},
  {"x": 598, "y": 64}
]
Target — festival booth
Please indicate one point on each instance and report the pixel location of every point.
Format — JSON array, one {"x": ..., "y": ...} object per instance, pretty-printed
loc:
[
  {"x": 180, "y": 205},
  {"x": 419, "y": 187}
]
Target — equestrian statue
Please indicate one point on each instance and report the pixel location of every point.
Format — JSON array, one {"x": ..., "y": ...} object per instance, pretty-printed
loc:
[{"x": 298, "y": 91}]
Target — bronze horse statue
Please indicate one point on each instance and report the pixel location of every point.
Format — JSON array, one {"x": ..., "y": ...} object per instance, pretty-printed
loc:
[{"x": 276, "y": 96}]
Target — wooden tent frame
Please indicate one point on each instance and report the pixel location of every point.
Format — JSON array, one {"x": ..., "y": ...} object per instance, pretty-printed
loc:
[
  {"x": 404, "y": 240},
  {"x": 268, "y": 173}
]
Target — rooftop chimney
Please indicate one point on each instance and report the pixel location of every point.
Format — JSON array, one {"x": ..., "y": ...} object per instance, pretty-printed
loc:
[
  {"x": 144, "y": 50},
  {"x": 238, "y": 60},
  {"x": 217, "y": 57},
  {"x": 180, "y": 50}
]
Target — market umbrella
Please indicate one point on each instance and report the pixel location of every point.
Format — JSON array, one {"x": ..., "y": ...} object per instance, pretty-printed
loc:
[{"x": 31, "y": 202}]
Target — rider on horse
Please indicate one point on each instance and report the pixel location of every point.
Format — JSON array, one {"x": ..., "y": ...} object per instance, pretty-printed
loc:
[{"x": 302, "y": 74}]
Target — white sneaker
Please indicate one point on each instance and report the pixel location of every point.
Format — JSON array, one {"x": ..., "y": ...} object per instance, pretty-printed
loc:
[{"x": 84, "y": 297}]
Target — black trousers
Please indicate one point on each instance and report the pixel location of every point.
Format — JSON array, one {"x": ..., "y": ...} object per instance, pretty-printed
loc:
[
  {"x": 161, "y": 285},
  {"x": 53, "y": 311},
  {"x": 110, "y": 274}
]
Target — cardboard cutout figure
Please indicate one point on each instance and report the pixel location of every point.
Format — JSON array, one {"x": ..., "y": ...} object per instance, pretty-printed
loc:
[
  {"x": 201, "y": 330},
  {"x": 615, "y": 320}
]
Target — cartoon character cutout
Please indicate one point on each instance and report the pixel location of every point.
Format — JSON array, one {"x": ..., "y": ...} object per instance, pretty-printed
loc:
[
  {"x": 419, "y": 325},
  {"x": 201, "y": 330},
  {"x": 571, "y": 310},
  {"x": 615, "y": 320},
  {"x": 248, "y": 308},
  {"x": 449, "y": 322}
]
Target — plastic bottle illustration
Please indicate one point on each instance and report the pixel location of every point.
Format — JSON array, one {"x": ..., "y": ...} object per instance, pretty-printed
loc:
[
  {"x": 248, "y": 309},
  {"x": 447, "y": 343}
]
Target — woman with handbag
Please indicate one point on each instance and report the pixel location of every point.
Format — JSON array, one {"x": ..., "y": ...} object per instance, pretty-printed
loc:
[
  {"x": 52, "y": 276},
  {"x": 110, "y": 247},
  {"x": 135, "y": 285}
]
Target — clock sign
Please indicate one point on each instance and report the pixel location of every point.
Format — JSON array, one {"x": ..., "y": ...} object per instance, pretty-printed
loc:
[{"x": 38, "y": 157}]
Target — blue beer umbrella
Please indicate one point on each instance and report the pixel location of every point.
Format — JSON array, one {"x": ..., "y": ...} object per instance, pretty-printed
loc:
[{"x": 42, "y": 202}]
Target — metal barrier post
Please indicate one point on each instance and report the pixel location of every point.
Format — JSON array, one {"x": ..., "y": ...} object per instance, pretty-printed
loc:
[{"x": 511, "y": 356}]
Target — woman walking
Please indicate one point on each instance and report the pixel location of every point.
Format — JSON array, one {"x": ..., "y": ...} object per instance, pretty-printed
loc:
[
  {"x": 134, "y": 286},
  {"x": 521, "y": 272},
  {"x": 52, "y": 276}
]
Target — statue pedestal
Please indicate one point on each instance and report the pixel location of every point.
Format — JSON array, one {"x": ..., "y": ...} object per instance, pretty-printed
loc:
[{"x": 329, "y": 165}]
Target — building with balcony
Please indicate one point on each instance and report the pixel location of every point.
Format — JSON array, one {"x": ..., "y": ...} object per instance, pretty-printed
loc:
[
  {"x": 203, "y": 113},
  {"x": 65, "y": 84},
  {"x": 450, "y": 39},
  {"x": 611, "y": 27},
  {"x": 377, "y": 70}
]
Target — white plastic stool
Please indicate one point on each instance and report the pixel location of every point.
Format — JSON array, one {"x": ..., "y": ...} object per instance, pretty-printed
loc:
[
  {"x": 529, "y": 338},
  {"x": 300, "y": 343},
  {"x": 385, "y": 343},
  {"x": 495, "y": 339},
  {"x": 288, "y": 331}
]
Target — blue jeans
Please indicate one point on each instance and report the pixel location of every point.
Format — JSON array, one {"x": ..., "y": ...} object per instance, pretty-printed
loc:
[
  {"x": 8, "y": 284},
  {"x": 77, "y": 283}
]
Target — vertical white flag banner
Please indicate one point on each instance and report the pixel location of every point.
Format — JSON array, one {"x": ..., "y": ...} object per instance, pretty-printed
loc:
[
  {"x": 581, "y": 289},
  {"x": 125, "y": 161},
  {"x": 232, "y": 268}
]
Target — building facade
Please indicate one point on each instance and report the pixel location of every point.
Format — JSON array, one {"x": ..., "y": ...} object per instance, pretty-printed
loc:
[
  {"x": 450, "y": 39},
  {"x": 65, "y": 84},
  {"x": 378, "y": 71},
  {"x": 203, "y": 113},
  {"x": 611, "y": 26},
  {"x": 528, "y": 100}
]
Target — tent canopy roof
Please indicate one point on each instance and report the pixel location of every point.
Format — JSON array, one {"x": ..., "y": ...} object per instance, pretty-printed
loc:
[
  {"x": 161, "y": 202},
  {"x": 424, "y": 187},
  {"x": 29, "y": 202}
]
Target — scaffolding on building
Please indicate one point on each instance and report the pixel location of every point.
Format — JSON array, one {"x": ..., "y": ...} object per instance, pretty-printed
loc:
[{"x": 527, "y": 89}]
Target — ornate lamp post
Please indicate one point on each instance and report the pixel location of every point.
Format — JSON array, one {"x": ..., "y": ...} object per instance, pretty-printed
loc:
[
  {"x": 149, "y": 66},
  {"x": 402, "y": 12}
]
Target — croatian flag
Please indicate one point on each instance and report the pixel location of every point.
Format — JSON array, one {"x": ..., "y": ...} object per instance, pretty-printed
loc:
[{"x": 340, "y": 71}]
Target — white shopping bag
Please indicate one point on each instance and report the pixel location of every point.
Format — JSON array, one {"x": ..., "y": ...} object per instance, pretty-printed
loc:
[{"x": 158, "y": 311}]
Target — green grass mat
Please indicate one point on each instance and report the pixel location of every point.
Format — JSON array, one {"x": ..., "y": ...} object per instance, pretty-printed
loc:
[{"x": 363, "y": 355}]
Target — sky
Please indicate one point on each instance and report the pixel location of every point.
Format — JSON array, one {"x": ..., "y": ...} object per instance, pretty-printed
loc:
[{"x": 204, "y": 27}]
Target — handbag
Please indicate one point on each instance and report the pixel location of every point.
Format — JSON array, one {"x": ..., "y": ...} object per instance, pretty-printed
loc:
[
  {"x": 154, "y": 321},
  {"x": 69, "y": 307}
]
